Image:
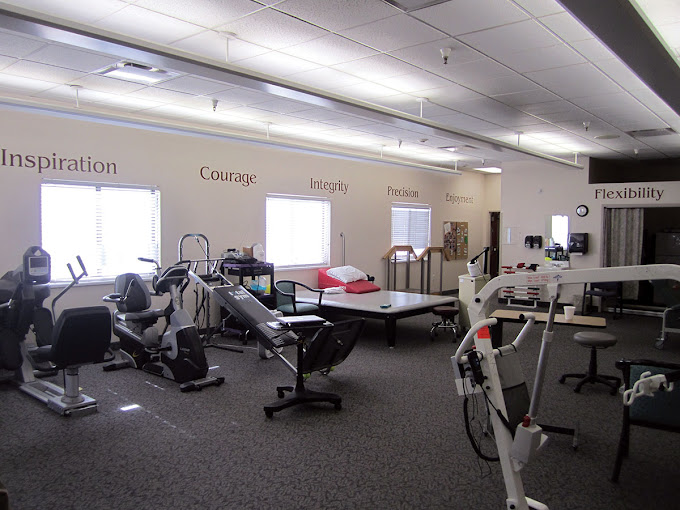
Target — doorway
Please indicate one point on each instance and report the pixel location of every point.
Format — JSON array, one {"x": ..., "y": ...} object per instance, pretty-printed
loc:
[{"x": 494, "y": 242}]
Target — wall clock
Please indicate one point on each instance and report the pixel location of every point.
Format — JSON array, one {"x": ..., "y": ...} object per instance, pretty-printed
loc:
[{"x": 582, "y": 210}]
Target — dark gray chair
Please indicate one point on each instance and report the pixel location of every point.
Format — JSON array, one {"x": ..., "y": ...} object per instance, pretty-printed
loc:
[
  {"x": 288, "y": 304},
  {"x": 603, "y": 290},
  {"x": 659, "y": 411}
]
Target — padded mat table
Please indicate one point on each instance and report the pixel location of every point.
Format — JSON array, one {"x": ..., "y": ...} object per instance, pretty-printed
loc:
[{"x": 402, "y": 304}]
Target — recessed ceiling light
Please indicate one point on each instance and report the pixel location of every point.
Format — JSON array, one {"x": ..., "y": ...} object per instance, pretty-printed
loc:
[
  {"x": 139, "y": 73},
  {"x": 489, "y": 169},
  {"x": 606, "y": 137}
]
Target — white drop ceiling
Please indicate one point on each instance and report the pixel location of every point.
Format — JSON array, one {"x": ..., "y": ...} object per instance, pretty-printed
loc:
[{"x": 360, "y": 76}]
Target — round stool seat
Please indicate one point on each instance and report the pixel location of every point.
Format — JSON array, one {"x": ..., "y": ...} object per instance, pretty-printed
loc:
[
  {"x": 597, "y": 339},
  {"x": 445, "y": 311}
]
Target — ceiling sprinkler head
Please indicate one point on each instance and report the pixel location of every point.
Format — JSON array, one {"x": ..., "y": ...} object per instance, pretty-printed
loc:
[
  {"x": 446, "y": 52},
  {"x": 214, "y": 103},
  {"x": 636, "y": 151},
  {"x": 586, "y": 125}
]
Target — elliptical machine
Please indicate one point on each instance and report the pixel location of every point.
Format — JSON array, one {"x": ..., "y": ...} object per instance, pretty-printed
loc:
[
  {"x": 177, "y": 353},
  {"x": 79, "y": 336}
]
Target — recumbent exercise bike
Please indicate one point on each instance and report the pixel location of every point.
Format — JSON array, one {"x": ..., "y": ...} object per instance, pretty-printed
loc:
[
  {"x": 177, "y": 352},
  {"x": 79, "y": 336}
]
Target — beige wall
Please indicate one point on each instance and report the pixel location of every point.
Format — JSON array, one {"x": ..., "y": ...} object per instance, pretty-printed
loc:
[
  {"x": 531, "y": 191},
  {"x": 229, "y": 214}
]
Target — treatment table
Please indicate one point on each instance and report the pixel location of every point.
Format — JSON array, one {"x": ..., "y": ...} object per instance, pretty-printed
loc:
[{"x": 402, "y": 304}]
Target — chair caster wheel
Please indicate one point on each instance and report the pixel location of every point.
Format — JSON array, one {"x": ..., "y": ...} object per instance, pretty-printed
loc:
[
  {"x": 338, "y": 406},
  {"x": 269, "y": 414},
  {"x": 281, "y": 394}
]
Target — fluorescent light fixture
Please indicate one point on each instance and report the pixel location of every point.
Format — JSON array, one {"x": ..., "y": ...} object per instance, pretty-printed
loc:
[
  {"x": 138, "y": 73},
  {"x": 130, "y": 407},
  {"x": 489, "y": 169}
]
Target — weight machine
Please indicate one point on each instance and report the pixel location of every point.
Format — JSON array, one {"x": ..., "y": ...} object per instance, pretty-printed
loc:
[{"x": 485, "y": 369}]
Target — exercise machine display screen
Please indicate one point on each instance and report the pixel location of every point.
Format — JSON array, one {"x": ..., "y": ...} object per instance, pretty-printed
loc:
[{"x": 36, "y": 266}]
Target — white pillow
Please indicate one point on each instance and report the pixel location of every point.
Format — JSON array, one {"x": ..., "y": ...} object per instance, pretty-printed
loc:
[{"x": 346, "y": 274}]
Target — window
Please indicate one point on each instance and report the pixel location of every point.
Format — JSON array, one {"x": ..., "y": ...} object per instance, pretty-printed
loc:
[
  {"x": 411, "y": 226},
  {"x": 108, "y": 225},
  {"x": 298, "y": 231}
]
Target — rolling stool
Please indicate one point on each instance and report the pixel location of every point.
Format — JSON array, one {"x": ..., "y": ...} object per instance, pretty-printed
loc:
[
  {"x": 448, "y": 316},
  {"x": 594, "y": 340}
]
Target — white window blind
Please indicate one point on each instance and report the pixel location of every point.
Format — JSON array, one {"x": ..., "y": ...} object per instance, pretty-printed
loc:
[
  {"x": 411, "y": 226},
  {"x": 109, "y": 226},
  {"x": 297, "y": 231}
]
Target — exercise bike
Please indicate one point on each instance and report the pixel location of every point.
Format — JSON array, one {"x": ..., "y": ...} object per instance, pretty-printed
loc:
[
  {"x": 79, "y": 336},
  {"x": 176, "y": 353}
]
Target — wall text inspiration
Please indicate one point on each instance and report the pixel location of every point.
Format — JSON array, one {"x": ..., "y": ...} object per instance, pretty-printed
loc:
[
  {"x": 245, "y": 179},
  {"x": 629, "y": 193},
  {"x": 459, "y": 199},
  {"x": 402, "y": 192},
  {"x": 54, "y": 162},
  {"x": 330, "y": 186}
]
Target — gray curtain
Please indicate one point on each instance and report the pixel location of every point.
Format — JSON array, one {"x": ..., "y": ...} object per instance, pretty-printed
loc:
[{"x": 623, "y": 242}]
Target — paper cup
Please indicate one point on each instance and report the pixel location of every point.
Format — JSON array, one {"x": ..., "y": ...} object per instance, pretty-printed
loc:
[{"x": 569, "y": 312}]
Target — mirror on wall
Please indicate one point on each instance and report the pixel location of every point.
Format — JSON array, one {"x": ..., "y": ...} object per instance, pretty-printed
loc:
[{"x": 556, "y": 237}]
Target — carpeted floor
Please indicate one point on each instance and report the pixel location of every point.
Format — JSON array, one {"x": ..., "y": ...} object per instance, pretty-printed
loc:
[{"x": 398, "y": 442}]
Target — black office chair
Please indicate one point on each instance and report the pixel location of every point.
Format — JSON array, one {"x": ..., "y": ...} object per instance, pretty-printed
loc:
[
  {"x": 603, "y": 290},
  {"x": 287, "y": 303},
  {"x": 659, "y": 411}
]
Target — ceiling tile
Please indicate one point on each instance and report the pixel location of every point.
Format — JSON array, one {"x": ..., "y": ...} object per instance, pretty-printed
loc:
[
  {"x": 206, "y": 14},
  {"x": 66, "y": 94},
  {"x": 539, "y": 59},
  {"x": 566, "y": 27},
  {"x": 526, "y": 97},
  {"x": 621, "y": 74},
  {"x": 464, "y": 16},
  {"x": 464, "y": 121},
  {"x": 148, "y": 25},
  {"x": 71, "y": 58},
  {"x": 272, "y": 29},
  {"x": 592, "y": 49},
  {"x": 325, "y": 78},
  {"x": 407, "y": 103},
  {"x": 500, "y": 41},
  {"x": 376, "y": 68},
  {"x": 6, "y": 61},
  {"x": 575, "y": 81},
  {"x": 18, "y": 46},
  {"x": 415, "y": 81},
  {"x": 393, "y": 33},
  {"x": 365, "y": 91},
  {"x": 505, "y": 85},
  {"x": 45, "y": 72},
  {"x": 83, "y": 11},
  {"x": 451, "y": 94},
  {"x": 329, "y": 50},
  {"x": 428, "y": 55},
  {"x": 108, "y": 85},
  {"x": 242, "y": 96},
  {"x": 20, "y": 84},
  {"x": 275, "y": 63},
  {"x": 211, "y": 44},
  {"x": 540, "y": 7},
  {"x": 160, "y": 95},
  {"x": 337, "y": 15},
  {"x": 282, "y": 106},
  {"x": 193, "y": 85}
]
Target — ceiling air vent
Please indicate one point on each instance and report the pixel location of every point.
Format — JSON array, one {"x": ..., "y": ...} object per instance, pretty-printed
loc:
[{"x": 647, "y": 133}]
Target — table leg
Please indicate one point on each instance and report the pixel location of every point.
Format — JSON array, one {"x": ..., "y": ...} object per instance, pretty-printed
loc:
[{"x": 391, "y": 331}]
